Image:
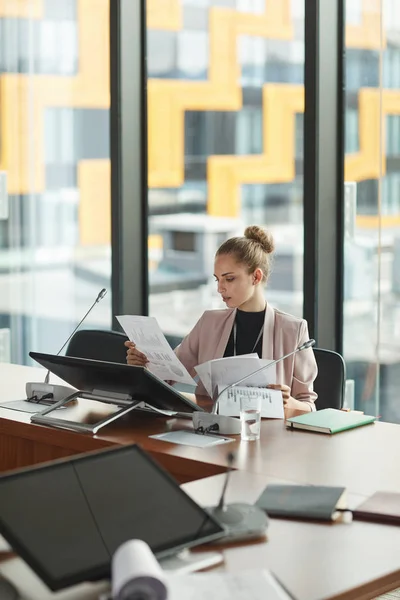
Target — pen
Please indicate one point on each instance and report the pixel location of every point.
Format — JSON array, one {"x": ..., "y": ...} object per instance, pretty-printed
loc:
[{"x": 207, "y": 432}]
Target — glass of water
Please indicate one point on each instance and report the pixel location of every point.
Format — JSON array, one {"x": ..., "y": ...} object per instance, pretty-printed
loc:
[{"x": 250, "y": 417}]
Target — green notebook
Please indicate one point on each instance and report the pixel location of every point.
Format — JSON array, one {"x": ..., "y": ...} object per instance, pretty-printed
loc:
[{"x": 329, "y": 420}]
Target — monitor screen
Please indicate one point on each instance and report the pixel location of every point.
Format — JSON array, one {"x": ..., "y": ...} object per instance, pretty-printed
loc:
[
  {"x": 68, "y": 517},
  {"x": 95, "y": 375}
]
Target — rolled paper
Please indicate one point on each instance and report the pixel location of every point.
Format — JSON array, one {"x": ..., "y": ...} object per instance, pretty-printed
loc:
[{"x": 136, "y": 574}]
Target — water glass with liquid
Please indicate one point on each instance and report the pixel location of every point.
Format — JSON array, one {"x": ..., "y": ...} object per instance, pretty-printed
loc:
[{"x": 250, "y": 417}]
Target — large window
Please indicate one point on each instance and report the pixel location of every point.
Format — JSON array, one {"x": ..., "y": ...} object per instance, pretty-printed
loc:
[
  {"x": 54, "y": 141},
  {"x": 372, "y": 238},
  {"x": 225, "y": 104}
]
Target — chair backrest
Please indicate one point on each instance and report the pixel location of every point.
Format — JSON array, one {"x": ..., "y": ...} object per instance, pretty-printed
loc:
[
  {"x": 331, "y": 379},
  {"x": 98, "y": 345}
]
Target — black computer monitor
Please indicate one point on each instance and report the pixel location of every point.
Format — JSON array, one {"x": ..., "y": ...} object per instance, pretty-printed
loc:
[
  {"x": 95, "y": 375},
  {"x": 68, "y": 517}
]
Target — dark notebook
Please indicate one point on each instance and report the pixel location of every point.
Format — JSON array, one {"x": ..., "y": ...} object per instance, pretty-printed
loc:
[
  {"x": 302, "y": 501},
  {"x": 382, "y": 507}
]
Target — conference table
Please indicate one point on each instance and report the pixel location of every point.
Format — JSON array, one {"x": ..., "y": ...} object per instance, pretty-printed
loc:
[{"x": 315, "y": 561}]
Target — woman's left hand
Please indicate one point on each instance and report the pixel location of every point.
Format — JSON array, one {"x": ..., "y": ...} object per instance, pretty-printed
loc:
[
  {"x": 288, "y": 401},
  {"x": 285, "y": 389}
]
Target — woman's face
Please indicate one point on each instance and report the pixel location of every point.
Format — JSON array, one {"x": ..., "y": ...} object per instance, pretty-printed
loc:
[{"x": 235, "y": 284}]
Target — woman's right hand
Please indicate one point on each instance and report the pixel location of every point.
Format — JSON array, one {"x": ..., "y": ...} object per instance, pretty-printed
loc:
[{"x": 134, "y": 356}]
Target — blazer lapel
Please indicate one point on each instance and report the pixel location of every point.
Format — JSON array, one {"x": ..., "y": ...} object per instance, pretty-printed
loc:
[
  {"x": 268, "y": 334},
  {"x": 226, "y": 331}
]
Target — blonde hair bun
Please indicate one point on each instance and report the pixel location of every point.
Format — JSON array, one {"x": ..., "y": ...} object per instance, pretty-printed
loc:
[{"x": 262, "y": 237}]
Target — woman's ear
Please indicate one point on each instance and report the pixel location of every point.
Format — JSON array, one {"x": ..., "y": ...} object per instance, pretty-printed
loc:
[{"x": 257, "y": 276}]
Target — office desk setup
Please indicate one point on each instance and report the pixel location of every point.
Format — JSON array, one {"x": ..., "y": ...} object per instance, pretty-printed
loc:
[{"x": 315, "y": 561}]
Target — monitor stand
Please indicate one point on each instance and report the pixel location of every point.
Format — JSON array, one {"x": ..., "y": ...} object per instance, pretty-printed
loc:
[
  {"x": 120, "y": 405},
  {"x": 189, "y": 562}
]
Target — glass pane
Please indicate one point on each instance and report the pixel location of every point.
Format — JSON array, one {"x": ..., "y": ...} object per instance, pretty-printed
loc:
[
  {"x": 225, "y": 110},
  {"x": 54, "y": 137},
  {"x": 372, "y": 172}
]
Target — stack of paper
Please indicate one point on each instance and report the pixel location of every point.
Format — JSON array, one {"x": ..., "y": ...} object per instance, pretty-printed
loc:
[{"x": 226, "y": 371}]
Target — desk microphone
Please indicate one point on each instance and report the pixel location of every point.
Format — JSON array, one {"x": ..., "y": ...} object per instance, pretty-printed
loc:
[
  {"x": 241, "y": 520},
  {"x": 36, "y": 392},
  {"x": 231, "y": 425}
]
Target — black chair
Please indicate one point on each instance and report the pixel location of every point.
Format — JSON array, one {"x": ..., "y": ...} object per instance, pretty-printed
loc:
[
  {"x": 98, "y": 345},
  {"x": 331, "y": 379}
]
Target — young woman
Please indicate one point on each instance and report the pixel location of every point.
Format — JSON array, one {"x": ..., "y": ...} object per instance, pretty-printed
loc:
[{"x": 248, "y": 324}]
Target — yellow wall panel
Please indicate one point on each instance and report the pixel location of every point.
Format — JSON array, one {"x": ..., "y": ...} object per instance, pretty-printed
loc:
[
  {"x": 21, "y": 136},
  {"x": 226, "y": 174},
  {"x": 373, "y": 110},
  {"x": 365, "y": 163},
  {"x": 23, "y": 99},
  {"x": 275, "y": 23},
  {"x": 223, "y": 69},
  {"x": 165, "y": 136},
  {"x": 375, "y": 222},
  {"x": 368, "y": 34},
  {"x": 155, "y": 241},
  {"x": 169, "y": 99},
  {"x": 167, "y": 103},
  {"x": 94, "y": 182},
  {"x": 155, "y": 246},
  {"x": 391, "y": 102},
  {"x": 17, "y": 9},
  {"x": 164, "y": 14}
]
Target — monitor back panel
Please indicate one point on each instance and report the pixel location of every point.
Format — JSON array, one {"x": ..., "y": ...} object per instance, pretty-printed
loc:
[{"x": 67, "y": 518}]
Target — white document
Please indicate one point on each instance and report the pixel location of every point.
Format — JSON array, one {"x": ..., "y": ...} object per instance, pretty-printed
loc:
[
  {"x": 271, "y": 401},
  {"x": 248, "y": 585},
  {"x": 216, "y": 371},
  {"x": 189, "y": 438},
  {"x": 145, "y": 332},
  {"x": 225, "y": 371},
  {"x": 204, "y": 373},
  {"x": 136, "y": 573}
]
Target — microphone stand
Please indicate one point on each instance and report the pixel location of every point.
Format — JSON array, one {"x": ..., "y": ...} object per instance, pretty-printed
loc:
[
  {"x": 100, "y": 296},
  {"x": 231, "y": 425},
  {"x": 241, "y": 521},
  {"x": 47, "y": 393}
]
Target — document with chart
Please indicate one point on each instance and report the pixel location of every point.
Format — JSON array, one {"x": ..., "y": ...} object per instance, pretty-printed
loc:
[
  {"x": 145, "y": 332},
  {"x": 230, "y": 400}
]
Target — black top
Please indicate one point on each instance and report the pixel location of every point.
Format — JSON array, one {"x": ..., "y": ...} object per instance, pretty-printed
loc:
[{"x": 248, "y": 325}]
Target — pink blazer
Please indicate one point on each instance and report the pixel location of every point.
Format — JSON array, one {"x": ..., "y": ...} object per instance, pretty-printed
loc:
[{"x": 282, "y": 334}]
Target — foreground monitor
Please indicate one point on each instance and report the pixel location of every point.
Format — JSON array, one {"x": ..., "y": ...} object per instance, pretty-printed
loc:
[{"x": 68, "y": 517}]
